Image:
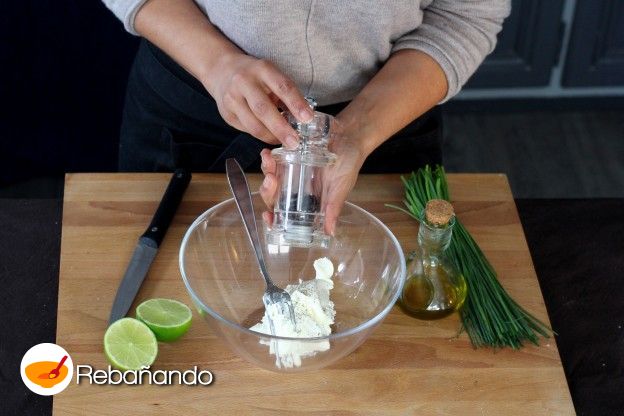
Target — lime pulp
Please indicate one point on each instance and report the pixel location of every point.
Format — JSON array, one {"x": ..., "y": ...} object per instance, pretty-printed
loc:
[
  {"x": 167, "y": 318},
  {"x": 130, "y": 345}
]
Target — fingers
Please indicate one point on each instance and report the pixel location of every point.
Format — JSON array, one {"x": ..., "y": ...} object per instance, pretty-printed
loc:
[
  {"x": 266, "y": 113},
  {"x": 284, "y": 88},
  {"x": 253, "y": 95},
  {"x": 336, "y": 194},
  {"x": 268, "y": 164},
  {"x": 332, "y": 211},
  {"x": 248, "y": 121},
  {"x": 230, "y": 118},
  {"x": 248, "y": 97},
  {"x": 268, "y": 190},
  {"x": 267, "y": 217}
]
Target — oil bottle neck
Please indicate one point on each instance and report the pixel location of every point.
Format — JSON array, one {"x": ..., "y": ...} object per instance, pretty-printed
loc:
[{"x": 434, "y": 240}]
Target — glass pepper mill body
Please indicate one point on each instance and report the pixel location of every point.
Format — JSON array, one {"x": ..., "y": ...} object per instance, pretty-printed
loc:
[
  {"x": 298, "y": 218},
  {"x": 434, "y": 287}
]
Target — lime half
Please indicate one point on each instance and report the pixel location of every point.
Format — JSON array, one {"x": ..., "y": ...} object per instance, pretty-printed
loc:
[
  {"x": 130, "y": 345},
  {"x": 167, "y": 318}
]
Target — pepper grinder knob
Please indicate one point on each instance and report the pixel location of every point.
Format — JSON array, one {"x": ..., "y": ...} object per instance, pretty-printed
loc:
[{"x": 311, "y": 102}]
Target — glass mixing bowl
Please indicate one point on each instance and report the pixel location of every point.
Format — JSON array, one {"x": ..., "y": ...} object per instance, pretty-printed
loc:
[{"x": 221, "y": 275}]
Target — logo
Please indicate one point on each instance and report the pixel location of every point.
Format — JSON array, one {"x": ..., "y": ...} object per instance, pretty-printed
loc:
[{"x": 47, "y": 369}]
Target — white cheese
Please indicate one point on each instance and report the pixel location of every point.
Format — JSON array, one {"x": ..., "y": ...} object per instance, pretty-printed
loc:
[{"x": 314, "y": 315}]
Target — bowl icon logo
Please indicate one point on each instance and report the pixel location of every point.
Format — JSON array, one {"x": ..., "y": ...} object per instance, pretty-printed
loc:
[{"x": 46, "y": 369}]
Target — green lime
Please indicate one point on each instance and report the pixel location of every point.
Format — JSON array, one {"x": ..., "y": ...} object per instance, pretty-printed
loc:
[
  {"x": 167, "y": 318},
  {"x": 129, "y": 344}
]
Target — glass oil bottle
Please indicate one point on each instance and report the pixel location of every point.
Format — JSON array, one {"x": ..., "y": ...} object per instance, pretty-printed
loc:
[{"x": 434, "y": 287}]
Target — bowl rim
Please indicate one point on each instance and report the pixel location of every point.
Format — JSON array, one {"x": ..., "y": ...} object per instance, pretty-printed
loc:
[{"x": 334, "y": 335}]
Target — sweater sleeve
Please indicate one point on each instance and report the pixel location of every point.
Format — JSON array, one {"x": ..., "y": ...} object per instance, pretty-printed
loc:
[
  {"x": 458, "y": 34},
  {"x": 126, "y": 11}
]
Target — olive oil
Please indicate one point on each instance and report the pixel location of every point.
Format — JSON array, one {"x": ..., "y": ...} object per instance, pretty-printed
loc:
[
  {"x": 433, "y": 294},
  {"x": 434, "y": 288}
]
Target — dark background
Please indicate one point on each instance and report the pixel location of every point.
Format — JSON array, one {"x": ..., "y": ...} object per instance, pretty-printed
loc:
[
  {"x": 62, "y": 79},
  {"x": 64, "y": 65}
]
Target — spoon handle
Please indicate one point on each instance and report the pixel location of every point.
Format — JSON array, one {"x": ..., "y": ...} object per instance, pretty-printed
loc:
[
  {"x": 58, "y": 367},
  {"x": 242, "y": 196}
]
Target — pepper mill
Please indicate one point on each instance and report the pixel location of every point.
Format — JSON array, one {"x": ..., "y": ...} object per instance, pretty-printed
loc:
[{"x": 298, "y": 214}]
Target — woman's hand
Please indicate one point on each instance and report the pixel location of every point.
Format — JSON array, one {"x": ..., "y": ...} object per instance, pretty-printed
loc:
[
  {"x": 409, "y": 84},
  {"x": 248, "y": 91},
  {"x": 338, "y": 180}
]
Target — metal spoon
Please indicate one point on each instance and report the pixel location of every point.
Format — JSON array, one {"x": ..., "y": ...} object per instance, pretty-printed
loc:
[{"x": 273, "y": 295}]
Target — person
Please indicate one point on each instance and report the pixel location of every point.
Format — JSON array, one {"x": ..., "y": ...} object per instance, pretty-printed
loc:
[{"x": 211, "y": 76}]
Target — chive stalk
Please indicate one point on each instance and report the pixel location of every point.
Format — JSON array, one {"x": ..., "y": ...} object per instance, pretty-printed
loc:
[{"x": 489, "y": 316}]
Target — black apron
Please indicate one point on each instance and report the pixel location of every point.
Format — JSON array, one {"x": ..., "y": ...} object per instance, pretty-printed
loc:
[{"x": 170, "y": 121}]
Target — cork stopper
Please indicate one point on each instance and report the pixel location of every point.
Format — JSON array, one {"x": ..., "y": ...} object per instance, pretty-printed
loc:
[{"x": 439, "y": 212}]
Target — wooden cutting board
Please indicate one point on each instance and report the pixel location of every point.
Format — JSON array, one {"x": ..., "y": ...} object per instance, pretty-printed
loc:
[{"x": 406, "y": 367}]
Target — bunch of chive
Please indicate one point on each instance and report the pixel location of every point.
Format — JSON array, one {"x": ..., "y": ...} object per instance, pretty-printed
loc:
[{"x": 490, "y": 317}]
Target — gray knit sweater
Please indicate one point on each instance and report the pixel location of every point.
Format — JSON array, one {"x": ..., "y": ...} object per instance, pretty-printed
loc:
[{"x": 332, "y": 48}]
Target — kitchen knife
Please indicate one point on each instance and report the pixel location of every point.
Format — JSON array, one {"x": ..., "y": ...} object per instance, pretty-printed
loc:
[{"x": 148, "y": 244}]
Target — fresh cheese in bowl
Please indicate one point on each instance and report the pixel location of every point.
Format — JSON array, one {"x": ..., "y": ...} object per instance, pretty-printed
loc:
[
  {"x": 314, "y": 315},
  {"x": 340, "y": 292}
]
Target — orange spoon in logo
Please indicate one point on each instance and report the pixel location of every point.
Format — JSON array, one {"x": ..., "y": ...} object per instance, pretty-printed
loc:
[{"x": 54, "y": 373}]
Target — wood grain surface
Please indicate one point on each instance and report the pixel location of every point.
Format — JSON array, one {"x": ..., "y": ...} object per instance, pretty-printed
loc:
[{"x": 406, "y": 367}]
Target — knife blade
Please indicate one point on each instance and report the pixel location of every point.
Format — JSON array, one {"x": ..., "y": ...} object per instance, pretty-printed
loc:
[{"x": 147, "y": 246}]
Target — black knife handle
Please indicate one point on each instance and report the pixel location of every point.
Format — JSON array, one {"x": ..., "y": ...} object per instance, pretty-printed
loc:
[{"x": 168, "y": 206}]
